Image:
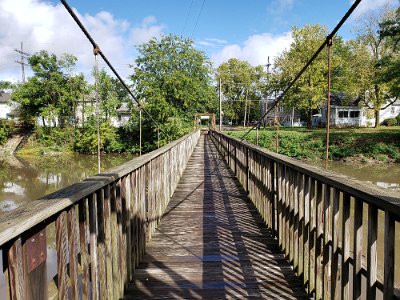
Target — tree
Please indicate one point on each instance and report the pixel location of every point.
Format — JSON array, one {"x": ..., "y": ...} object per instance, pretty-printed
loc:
[
  {"x": 241, "y": 87},
  {"x": 389, "y": 32},
  {"x": 371, "y": 82},
  {"x": 50, "y": 93},
  {"x": 108, "y": 95},
  {"x": 309, "y": 91},
  {"x": 174, "y": 80}
]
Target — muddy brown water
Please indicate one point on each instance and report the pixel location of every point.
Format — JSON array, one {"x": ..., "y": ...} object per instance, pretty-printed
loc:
[{"x": 24, "y": 179}]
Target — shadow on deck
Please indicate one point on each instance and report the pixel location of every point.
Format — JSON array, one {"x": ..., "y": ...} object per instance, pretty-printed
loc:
[{"x": 212, "y": 243}]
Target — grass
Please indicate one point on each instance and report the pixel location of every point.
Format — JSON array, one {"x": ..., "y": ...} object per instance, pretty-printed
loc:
[{"x": 382, "y": 144}]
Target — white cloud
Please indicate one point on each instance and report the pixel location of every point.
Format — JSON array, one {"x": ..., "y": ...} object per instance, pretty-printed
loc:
[
  {"x": 146, "y": 31},
  {"x": 279, "y": 6},
  {"x": 367, "y": 6},
  {"x": 42, "y": 25},
  {"x": 255, "y": 49}
]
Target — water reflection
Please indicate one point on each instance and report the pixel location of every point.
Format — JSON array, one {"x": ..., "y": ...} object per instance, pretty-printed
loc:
[
  {"x": 24, "y": 179},
  {"x": 386, "y": 176}
]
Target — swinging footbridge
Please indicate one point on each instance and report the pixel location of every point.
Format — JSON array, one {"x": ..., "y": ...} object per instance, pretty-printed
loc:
[{"x": 205, "y": 217}]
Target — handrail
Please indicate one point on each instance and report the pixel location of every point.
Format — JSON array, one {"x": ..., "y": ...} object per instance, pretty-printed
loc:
[
  {"x": 100, "y": 223},
  {"x": 320, "y": 219}
]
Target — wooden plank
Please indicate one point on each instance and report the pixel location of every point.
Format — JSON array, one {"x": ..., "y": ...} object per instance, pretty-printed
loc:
[
  {"x": 358, "y": 248},
  {"x": 371, "y": 251},
  {"x": 101, "y": 257},
  {"x": 389, "y": 255},
  {"x": 83, "y": 239},
  {"x": 108, "y": 242},
  {"x": 73, "y": 251},
  {"x": 335, "y": 278},
  {"x": 327, "y": 242},
  {"x": 114, "y": 241},
  {"x": 345, "y": 288},
  {"x": 319, "y": 257},
  {"x": 94, "y": 272},
  {"x": 15, "y": 278},
  {"x": 62, "y": 252}
]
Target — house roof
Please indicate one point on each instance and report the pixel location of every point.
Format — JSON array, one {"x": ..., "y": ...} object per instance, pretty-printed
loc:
[
  {"x": 4, "y": 97},
  {"x": 342, "y": 99}
]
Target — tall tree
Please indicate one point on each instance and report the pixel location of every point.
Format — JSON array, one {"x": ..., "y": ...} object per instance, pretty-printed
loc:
[
  {"x": 370, "y": 85},
  {"x": 309, "y": 91},
  {"x": 241, "y": 87},
  {"x": 174, "y": 80},
  {"x": 48, "y": 94}
]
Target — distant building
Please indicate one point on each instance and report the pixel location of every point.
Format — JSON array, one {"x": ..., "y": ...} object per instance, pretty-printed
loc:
[
  {"x": 8, "y": 109},
  {"x": 352, "y": 113},
  {"x": 286, "y": 116}
]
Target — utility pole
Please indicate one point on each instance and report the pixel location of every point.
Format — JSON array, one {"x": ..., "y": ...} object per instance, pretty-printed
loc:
[
  {"x": 220, "y": 104},
  {"x": 24, "y": 56}
]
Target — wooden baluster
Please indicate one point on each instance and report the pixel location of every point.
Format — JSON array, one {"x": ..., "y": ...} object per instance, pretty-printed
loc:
[
  {"x": 389, "y": 254},
  {"x": 372, "y": 251},
  {"x": 62, "y": 250},
  {"x": 312, "y": 238},
  {"x": 345, "y": 272},
  {"x": 300, "y": 179},
  {"x": 73, "y": 251},
  {"x": 328, "y": 246},
  {"x": 101, "y": 253},
  {"x": 127, "y": 208},
  {"x": 306, "y": 233},
  {"x": 357, "y": 250},
  {"x": 83, "y": 238},
  {"x": 296, "y": 221},
  {"x": 15, "y": 277},
  {"x": 335, "y": 248},
  {"x": 93, "y": 246},
  {"x": 320, "y": 221},
  {"x": 114, "y": 240}
]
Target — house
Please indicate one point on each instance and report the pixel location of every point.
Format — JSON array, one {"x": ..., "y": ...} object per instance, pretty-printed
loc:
[
  {"x": 347, "y": 112},
  {"x": 5, "y": 107},
  {"x": 286, "y": 116}
]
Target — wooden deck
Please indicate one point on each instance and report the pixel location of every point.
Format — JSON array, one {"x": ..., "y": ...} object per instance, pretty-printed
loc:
[{"x": 212, "y": 243}]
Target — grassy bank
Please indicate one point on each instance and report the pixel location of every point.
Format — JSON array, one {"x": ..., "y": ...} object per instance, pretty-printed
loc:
[{"x": 362, "y": 144}]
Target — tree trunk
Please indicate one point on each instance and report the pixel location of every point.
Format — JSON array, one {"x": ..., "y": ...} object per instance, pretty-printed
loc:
[
  {"x": 377, "y": 118},
  {"x": 245, "y": 110}
]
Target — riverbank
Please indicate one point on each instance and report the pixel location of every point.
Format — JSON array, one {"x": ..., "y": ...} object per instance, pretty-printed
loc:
[{"x": 364, "y": 145}]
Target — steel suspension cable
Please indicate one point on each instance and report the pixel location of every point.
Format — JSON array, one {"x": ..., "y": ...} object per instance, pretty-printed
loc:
[
  {"x": 98, "y": 51},
  {"x": 289, "y": 86}
]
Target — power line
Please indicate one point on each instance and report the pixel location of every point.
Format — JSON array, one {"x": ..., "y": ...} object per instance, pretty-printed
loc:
[
  {"x": 187, "y": 16},
  {"x": 326, "y": 42},
  {"x": 198, "y": 17},
  {"x": 96, "y": 50},
  {"x": 24, "y": 56}
]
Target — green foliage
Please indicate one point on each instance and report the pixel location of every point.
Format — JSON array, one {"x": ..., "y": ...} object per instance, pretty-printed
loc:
[
  {"x": 309, "y": 90},
  {"x": 173, "y": 80},
  {"x": 6, "y": 128},
  {"x": 51, "y": 92},
  {"x": 310, "y": 144},
  {"x": 390, "y": 122},
  {"x": 240, "y": 82},
  {"x": 86, "y": 140}
]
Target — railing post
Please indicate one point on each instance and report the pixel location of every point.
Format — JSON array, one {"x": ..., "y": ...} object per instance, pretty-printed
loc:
[
  {"x": 389, "y": 254},
  {"x": 247, "y": 171}
]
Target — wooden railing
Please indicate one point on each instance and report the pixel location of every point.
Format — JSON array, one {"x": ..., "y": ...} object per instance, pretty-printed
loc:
[
  {"x": 101, "y": 228},
  {"x": 338, "y": 233}
]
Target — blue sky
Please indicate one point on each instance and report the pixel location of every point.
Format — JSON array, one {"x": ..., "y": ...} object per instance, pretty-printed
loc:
[{"x": 250, "y": 30}]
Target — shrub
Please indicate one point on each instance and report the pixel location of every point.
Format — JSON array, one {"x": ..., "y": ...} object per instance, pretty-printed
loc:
[{"x": 390, "y": 121}]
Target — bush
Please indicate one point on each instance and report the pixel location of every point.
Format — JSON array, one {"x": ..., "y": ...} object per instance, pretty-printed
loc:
[
  {"x": 6, "y": 128},
  {"x": 391, "y": 121}
]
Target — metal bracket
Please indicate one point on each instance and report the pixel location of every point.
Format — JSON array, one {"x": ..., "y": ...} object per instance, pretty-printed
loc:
[{"x": 36, "y": 250}]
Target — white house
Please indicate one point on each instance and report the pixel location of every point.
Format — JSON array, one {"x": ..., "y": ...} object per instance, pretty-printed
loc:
[
  {"x": 5, "y": 105},
  {"x": 351, "y": 113}
]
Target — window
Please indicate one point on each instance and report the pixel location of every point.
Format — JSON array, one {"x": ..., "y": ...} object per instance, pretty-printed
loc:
[
  {"x": 354, "y": 114},
  {"x": 343, "y": 114}
]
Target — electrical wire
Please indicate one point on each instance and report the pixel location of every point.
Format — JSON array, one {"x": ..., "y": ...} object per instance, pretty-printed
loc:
[
  {"x": 187, "y": 16},
  {"x": 198, "y": 17},
  {"x": 97, "y": 50},
  {"x": 327, "y": 40}
]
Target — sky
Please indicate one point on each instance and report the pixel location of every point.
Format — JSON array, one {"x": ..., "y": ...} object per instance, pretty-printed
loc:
[{"x": 251, "y": 30}]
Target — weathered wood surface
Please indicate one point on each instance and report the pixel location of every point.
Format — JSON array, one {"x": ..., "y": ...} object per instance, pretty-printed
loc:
[{"x": 212, "y": 243}]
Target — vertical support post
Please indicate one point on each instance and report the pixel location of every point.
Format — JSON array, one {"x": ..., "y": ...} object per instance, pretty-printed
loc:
[
  {"x": 158, "y": 137},
  {"x": 220, "y": 105},
  {"x": 96, "y": 70},
  {"x": 328, "y": 112},
  {"x": 140, "y": 131}
]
